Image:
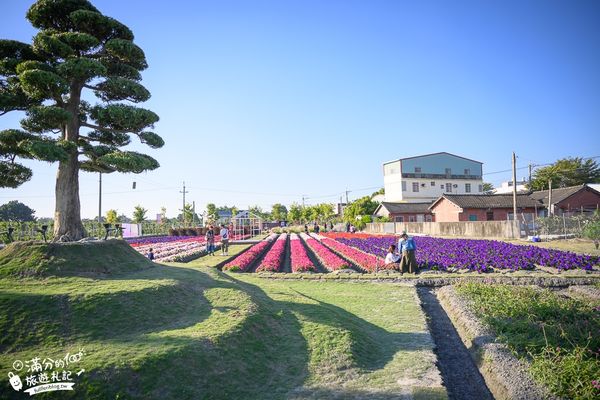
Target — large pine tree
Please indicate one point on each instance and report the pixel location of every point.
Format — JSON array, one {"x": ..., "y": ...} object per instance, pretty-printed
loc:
[{"x": 76, "y": 49}]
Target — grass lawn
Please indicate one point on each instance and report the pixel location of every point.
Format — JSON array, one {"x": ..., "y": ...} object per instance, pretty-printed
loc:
[
  {"x": 558, "y": 334},
  {"x": 188, "y": 331}
]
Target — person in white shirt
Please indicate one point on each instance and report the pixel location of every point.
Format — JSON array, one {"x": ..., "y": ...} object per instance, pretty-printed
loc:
[
  {"x": 224, "y": 233},
  {"x": 392, "y": 257}
]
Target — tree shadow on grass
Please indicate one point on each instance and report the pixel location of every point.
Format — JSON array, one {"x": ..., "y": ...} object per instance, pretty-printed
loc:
[{"x": 265, "y": 356}]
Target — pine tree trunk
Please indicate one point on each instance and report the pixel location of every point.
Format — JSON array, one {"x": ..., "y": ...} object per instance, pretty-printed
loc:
[
  {"x": 67, "y": 212},
  {"x": 67, "y": 215}
]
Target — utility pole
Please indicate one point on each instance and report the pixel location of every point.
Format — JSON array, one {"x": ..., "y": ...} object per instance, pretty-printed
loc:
[
  {"x": 514, "y": 172},
  {"x": 183, "y": 208},
  {"x": 530, "y": 168},
  {"x": 100, "y": 198},
  {"x": 550, "y": 208},
  {"x": 303, "y": 197},
  {"x": 347, "y": 195}
]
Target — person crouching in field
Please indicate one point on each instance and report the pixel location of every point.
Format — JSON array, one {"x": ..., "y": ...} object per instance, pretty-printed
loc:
[
  {"x": 392, "y": 259},
  {"x": 407, "y": 246}
]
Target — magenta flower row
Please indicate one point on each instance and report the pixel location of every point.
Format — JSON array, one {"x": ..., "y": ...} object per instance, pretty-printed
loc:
[
  {"x": 367, "y": 261},
  {"x": 327, "y": 258},
  {"x": 274, "y": 256},
  {"x": 247, "y": 258},
  {"x": 299, "y": 257}
]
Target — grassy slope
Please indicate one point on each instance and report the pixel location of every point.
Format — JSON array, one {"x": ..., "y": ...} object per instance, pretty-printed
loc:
[{"x": 191, "y": 332}]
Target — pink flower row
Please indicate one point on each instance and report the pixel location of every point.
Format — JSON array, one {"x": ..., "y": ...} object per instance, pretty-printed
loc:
[
  {"x": 360, "y": 258},
  {"x": 245, "y": 260},
  {"x": 274, "y": 256},
  {"x": 330, "y": 260},
  {"x": 299, "y": 257}
]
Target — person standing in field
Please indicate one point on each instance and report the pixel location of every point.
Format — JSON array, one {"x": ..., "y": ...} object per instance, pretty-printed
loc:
[
  {"x": 407, "y": 246},
  {"x": 210, "y": 241},
  {"x": 150, "y": 254},
  {"x": 224, "y": 240}
]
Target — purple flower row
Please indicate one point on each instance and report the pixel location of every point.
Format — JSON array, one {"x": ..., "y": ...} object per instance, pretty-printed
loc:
[{"x": 477, "y": 255}]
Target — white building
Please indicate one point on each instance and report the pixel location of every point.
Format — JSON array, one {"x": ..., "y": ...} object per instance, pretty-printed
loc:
[
  {"x": 425, "y": 178},
  {"x": 507, "y": 187}
]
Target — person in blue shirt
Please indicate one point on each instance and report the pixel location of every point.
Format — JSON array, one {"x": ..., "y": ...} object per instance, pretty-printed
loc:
[{"x": 407, "y": 247}]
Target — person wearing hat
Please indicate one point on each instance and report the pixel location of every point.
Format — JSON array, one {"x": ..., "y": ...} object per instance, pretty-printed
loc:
[{"x": 407, "y": 247}]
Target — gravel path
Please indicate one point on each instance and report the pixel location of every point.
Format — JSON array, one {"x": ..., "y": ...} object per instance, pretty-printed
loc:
[{"x": 459, "y": 373}]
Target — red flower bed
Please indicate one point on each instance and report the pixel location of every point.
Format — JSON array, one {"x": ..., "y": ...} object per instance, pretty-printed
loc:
[
  {"x": 367, "y": 261},
  {"x": 327, "y": 258},
  {"x": 274, "y": 257},
  {"x": 245, "y": 260},
  {"x": 299, "y": 257}
]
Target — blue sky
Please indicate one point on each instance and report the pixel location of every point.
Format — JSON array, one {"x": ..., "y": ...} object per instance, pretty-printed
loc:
[{"x": 266, "y": 101}]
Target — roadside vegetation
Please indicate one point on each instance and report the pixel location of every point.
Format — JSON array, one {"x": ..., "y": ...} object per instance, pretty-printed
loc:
[{"x": 557, "y": 334}]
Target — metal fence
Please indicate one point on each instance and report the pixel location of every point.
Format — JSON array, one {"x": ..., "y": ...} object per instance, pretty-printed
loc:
[
  {"x": 560, "y": 225},
  {"x": 22, "y": 231}
]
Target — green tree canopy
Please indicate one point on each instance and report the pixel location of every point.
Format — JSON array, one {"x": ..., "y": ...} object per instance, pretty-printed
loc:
[
  {"x": 566, "y": 172},
  {"x": 16, "y": 211},
  {"x": 363, "y": 207},
  {"x": 211, "y": 213},
  {"x": 76, "y": 49},
  {"x": 295, "y": 212},
  {"x": 112, "y": 217},
  {"x": 279, "y": 212},
  {"x": 488, "y": 188},
  {"x": 139, "y": 214}
]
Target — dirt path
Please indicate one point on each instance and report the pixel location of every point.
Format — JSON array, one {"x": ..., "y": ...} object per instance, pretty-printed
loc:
[{"x": 459, "y": 373}]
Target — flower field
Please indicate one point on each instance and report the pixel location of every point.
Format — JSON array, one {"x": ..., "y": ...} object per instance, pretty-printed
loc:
[
  {"x": 300, "y": 262},
  {"x": 334, "y": 251},
  {"x": 172, "y": 248},
  {"x": 367, "y": 261},
  {"x": 326, "y": 257},
  {"x": 274, "y": 256},
  {"x": 242, "y": 262},
  {"x": 475, "y": 255}
]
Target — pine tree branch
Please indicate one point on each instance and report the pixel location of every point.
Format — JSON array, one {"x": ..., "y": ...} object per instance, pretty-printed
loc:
[{"x": 102, "y": 128}]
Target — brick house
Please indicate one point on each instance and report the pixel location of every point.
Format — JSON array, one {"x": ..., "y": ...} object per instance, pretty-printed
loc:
[
  {"x": 404, "y": 212},
  {"x": 569, "y": 200},
  {"x": 481, "y": 207}
]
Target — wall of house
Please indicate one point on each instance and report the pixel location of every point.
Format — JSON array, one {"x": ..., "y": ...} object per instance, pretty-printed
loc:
[
  {"x": 462, "y": 172},
  {"x": 392, "y": 181},
  {"x": 431, "y": 189},
  {"x": 479, "y": 229},
  {"x": 446, "y": 211},
  {"x": 437, "y": 164},
  {"x": 585, "y": 198}
]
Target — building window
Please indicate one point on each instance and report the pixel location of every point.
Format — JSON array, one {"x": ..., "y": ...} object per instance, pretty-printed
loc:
[
  {"x": 428, "y": 218},
  {"x": 489, "y": 215},
  {"x": 417, "y": 170},
  {"x": 449, "y": 187},
  {"x": 480, "y": 188},
  {"x": 415, "y": 186},
  {"x": 467, "y": 171},
  {"x": 467, "y": 188},
  {"x": 472, "y": 217},
  {"x": 398, "y": 219},
  {"x": 404, "y": 186},
  {"x": 432, "y": 183},
  {"x": 411, "y": 218}
]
